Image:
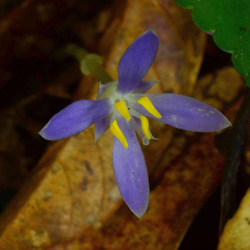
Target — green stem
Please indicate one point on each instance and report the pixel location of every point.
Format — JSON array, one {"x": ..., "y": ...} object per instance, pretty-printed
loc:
[
  {"x": 233, "y": 161},
  {"x": 89, "y": 63}
]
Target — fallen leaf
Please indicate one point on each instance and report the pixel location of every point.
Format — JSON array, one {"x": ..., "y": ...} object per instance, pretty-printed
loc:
[
  {"x": 192, "y": 171},
  {"x": 236, "y": 232},
  {"x": 235, "y": 235},
  {"x": 181, "y": 42},
  {"x": 73, "y": 191},
  {"x": 187, "y": 173}
]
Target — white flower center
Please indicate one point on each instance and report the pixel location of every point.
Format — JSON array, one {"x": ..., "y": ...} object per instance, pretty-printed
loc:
[{"x": 123, "y": 105}]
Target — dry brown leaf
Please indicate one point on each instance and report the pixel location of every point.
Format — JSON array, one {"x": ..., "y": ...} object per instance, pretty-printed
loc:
[
  {"x": 192, "y": 169},
  {"x": 236, "y": 233},
  {"x": 73, "y": 190},
  {"x": 178, "y": 59},
  {"x": 181, "y": 42},
  {"x": 237, "y": 230}
]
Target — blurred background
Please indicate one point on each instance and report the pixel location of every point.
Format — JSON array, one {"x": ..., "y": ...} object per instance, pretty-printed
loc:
[{"x": 63, "y": 195}]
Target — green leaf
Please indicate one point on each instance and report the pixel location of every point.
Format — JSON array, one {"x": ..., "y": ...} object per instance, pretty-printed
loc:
[{"x": 229, "y": 20}]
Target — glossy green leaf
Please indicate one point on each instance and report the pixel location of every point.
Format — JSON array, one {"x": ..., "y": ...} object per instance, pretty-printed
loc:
[{"x": 229, "y": 20}]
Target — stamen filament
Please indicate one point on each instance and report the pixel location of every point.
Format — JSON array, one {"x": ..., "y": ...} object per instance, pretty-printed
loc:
[
  {"x": 115, "y": 129},
  {"x": 145, "y": 126},
  {"x": 122, "y": 108},
  {"x": 148, "y": 105}
]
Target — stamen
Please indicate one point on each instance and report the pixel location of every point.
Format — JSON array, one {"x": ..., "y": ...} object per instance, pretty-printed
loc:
[
  {"x": 145, "y": 126},
  {"x": 145, "y": 141},
  {"x": 122, "y": 108},
  {"x": 148, "y": 105},
  {"x": 115, "y": 129}
]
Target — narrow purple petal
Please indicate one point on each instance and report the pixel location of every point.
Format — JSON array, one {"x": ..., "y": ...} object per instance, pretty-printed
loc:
[
  {"x": 75, "y": 118},
  {"x": 186, "y": 113},
  {"x": 130, "y": 171},
  {"x": 144, "y": 86},
  {"x": 136, "y": 61},
  {"x": 101, "y": 126}
]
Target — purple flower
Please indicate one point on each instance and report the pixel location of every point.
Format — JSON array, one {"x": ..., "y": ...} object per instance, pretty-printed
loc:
[{"x": 123, "y": 107}]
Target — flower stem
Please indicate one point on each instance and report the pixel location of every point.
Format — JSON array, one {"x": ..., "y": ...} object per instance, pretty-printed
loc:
[
  {"x": 89, "y": 63},
  {"x": 234, "y": 161}
]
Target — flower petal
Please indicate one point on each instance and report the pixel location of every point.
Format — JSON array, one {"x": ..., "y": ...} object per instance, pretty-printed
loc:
[
  {"x": 144, "y": 86},
  {"x": 136, "y": 61},
  {"x": 74, "y": 118},
  {"x": 186, "y": 113},
  {"x": 101, "y": 126},
  {"x": 130, "y": 170}
]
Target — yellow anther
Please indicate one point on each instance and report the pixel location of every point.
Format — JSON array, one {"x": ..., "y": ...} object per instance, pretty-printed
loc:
[
  {"x": 148, "y": 105},
  {"x": 145, "y": 126},
  {"x": 122, "y": 108},
  {"x": 115, "y": 129}
]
